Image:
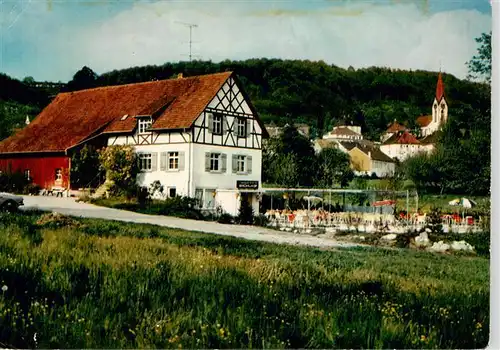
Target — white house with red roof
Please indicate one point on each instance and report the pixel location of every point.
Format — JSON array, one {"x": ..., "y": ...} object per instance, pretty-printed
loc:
[
  {"x": 198, "y": 136},
  {"x": 402, "y": 145},
  {"x": 398, "y": 142}
]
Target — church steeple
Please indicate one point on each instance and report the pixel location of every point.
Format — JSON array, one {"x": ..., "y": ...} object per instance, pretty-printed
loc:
[{"x": 439, "y": 88}]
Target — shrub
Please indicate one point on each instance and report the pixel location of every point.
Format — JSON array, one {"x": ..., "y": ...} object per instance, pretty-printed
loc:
[
  {"x": 143, "y": 196},
  {"x": 245, "y": 213},
  {"x": 434, "y": 223},
  {"x": 13, "y": 182},
  {"x": 31, "y": 189},
  {"x": 122, "y": 168},
  {"x": 261, "y": 220},
  {"x": 184, "y": 207},
  {"x": 225, "y": 218}
]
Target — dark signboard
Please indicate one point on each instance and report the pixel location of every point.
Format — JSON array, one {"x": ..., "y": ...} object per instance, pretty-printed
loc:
[{"x": 247, "y": 185}]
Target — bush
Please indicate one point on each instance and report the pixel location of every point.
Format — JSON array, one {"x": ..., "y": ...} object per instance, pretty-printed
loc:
[
  {"x": 245, "y": 213},
  {"x": 225, "y": 218},
  {"x": 122, "y": 168},
  {"x": 31, "y": 189},
  {"x": 183, "y": 207},
  {"x": 261, "y": 220},
  {"x": 13, "y": 182}
]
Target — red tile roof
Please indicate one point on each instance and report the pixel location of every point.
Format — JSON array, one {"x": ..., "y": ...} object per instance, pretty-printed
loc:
[
  {"x": 424, "y": 120},
  {"x": 74, "y": 116},
  {"x": 395, "y": 127},
  {"x": 439, "y": 88},
  {"x": 402, "y": 138}
]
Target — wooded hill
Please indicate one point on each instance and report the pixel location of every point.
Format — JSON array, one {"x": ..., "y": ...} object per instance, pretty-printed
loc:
[{"x": 293, "y": 91}]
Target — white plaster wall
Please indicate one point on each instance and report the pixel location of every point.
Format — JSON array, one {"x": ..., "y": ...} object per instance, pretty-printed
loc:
[
  {"x": 383, "y": 169},
  {"x": 402, "y": 151},
  {"x": 168, "y": 178},
  {"x": 227, "y": 180}
]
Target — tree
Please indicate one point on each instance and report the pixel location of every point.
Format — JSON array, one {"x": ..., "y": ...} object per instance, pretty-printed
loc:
[
  {"x": 85, "y": 78},
  {"x": 333, "y": 168},
  {"x": 86, "y": 169},
  {"x": 122, "y": 167},
  {"x": 286, "y": 171},
  {"x": 28, "y": 80},
  {"x": 480, "y": 64}
]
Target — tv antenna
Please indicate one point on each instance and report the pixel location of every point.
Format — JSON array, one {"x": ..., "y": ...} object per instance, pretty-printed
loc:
[{"x": 191, "y": 26}]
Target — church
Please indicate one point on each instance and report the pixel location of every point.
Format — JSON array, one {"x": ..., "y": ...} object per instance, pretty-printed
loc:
[{"x": 398, "y": 142}]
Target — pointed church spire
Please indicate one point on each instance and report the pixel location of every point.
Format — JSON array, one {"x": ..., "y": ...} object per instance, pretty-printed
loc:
[
  {"x": 27, "y": 120},
  {"x": 439, "y": 88}
]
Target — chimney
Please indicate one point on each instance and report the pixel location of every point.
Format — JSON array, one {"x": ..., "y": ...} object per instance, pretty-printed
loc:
[
  {"x": 369, "y": 154},
  {"x": 179, "y": 76}
]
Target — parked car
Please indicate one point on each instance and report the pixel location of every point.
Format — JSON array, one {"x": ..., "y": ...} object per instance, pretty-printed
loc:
[{"x": 10, "y": 202}]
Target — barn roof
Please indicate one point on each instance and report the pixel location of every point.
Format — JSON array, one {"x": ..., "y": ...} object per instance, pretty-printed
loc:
[{"x": 72, "y": 117}]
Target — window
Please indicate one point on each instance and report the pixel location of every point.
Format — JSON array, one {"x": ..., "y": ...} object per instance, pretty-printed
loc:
[
  {"x": 171, "y": 192},
  {"x": 58, "y": 174},
  {"x": 27, "y": 174},
  {"x": 145, "y": 162},
  {"x": 173, "y": 160},
  {"x": 240, "y": 164},
  {"x": 144, "y": 123},
  {"x": 242, "y": 127},
  {"x": 217, "y": 124},
  {"x": 214, "y": 161}
]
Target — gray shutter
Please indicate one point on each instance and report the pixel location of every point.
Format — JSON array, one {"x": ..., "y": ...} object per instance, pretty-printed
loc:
[
  {"x": 207, "y": 161},
  {"x": 249, "y": 164},
  {"x": 223, "y": 124},
  {"x": 163, "y": 161},
  {"x": 235, "y": 163},
  {"x": 249, "y": 127},
  {"x": 154, "y": 161},
  {"x": 210, "y": 121},
  {"x": 181, "y": 161},
  {"x": 224, "y": 162}
]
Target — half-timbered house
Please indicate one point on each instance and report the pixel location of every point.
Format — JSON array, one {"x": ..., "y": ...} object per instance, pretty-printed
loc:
[{"x": 198, "y": 136}]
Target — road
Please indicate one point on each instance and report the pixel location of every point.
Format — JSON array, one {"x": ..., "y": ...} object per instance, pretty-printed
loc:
[{"x": 68, "y": 206}]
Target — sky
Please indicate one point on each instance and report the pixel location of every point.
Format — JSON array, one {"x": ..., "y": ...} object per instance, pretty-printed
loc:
[{"x": 51, "y": 40}]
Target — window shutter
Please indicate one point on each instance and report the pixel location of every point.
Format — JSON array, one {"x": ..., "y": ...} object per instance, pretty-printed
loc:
[
  {"x": 210, "y": 123},
  {"x": 223, "y": 124},
  {"x": 249, "y": 164},
  {"x": 154, "y": 161},
  {"x": 223, "y": 161},
  {"x": 207, "y": 161},
  {"x": 249, "y": 127},
  {"x": 163, "y": 161},
  {"x": 181, "y": 161},
  {"x": 235, "y": 163}
]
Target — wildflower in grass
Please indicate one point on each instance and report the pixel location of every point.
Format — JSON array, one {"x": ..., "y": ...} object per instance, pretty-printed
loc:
[
  {"x": 479, "y": 325},
  {"x": 5, "y": 288}
]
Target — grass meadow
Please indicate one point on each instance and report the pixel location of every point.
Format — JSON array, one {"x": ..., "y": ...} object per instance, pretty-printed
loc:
[{"x": 81, "y": 283}]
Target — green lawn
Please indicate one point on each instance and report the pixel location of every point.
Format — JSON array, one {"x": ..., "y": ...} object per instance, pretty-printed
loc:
[{"x": 102, "y": 284}]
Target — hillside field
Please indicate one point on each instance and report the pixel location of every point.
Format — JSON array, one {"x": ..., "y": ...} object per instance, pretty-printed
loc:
[{"x": 77, "y": 283}]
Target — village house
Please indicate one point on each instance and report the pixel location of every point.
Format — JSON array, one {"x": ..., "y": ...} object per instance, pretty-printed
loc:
[
  {"x": 400, "y": 143},
  {"x": 365, "y": 156},
  {"x": 199, "y": 136},
  {"x": 344, "y": 133}
]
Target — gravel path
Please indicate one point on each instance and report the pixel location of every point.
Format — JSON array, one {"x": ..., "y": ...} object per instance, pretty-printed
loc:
[{"x": 68, "y": 206}]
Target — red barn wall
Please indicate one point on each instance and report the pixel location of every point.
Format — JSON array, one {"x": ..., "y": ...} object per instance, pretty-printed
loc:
[{"x": 42, "y": 169}]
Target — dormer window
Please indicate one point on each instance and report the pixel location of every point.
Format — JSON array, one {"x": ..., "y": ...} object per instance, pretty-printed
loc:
[{"x": 144, "y": 123}]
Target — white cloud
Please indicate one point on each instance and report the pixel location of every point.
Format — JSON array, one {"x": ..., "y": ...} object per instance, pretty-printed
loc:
[{"x": 359, "y": 34}]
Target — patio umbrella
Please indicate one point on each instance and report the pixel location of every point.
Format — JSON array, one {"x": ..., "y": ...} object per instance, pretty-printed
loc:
[
  {"x": 310, "y": 199},
  {"x": 464, "y": 202}
]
